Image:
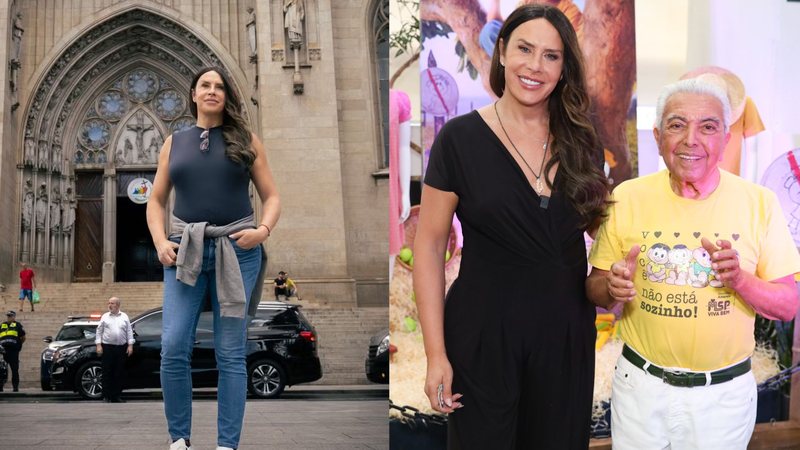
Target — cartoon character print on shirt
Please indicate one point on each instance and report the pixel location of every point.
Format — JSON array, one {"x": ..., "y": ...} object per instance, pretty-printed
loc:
[
  {"x": 674, "y": 279},
  {"x": 701, "y": 273},
  {"x": 680, "y": 258},
  {"x": 656, "y": 269}
]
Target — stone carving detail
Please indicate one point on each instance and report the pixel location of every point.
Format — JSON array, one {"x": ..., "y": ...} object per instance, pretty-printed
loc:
[
  {"x": 169, "y": 104},
  {"x": 251, "y": 34},
  {"x": 315, "y": 54},
  {"x": 16, "y": 37},
  {"x": 41, "y": 207},
  {"x": 68, "y": 216},
  {"x": 140, "y": 143},
  {"x": 141, "y": 85},
  {"x": 14, "y": 64},
  {"x": 183, "y": 48},
  {"x": 277, "y": 55},
  {"x": 294, "y": 14},
  {"x": 95, "y": 134},
  {"x": 63, "y": 88},
  {"x": 27, "y": 205},
  {"x": 55, "y": 210},
  {"x": 44, "y": 157},
  {"x": 56, "y": 163},
  {"x": 29, "y": 158},
  {"x": 112, "y": 106}
]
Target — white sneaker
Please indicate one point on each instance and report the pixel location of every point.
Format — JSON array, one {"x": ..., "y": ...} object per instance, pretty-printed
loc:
[
  {"x": 180, "y": 444},
  {"x": 224, "y": 448}
]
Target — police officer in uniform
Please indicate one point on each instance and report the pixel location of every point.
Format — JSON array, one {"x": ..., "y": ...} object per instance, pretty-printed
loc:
[{"x": 12, "y": 335}]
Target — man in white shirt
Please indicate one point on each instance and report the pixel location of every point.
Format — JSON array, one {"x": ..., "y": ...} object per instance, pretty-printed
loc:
[{"x": 114, "y": 341}]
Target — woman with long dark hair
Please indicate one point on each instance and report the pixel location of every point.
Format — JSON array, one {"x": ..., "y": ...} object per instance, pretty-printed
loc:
[
  {"x": 511, "y": 348},
  {"x": 212, "y": 249}
]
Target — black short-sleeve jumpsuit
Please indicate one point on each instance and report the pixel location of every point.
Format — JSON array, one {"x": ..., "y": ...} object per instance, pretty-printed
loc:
[{"x": 519, "y": 330}]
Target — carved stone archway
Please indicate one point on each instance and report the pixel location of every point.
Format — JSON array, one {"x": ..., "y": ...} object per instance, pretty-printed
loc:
[{"x": 124, "y": 80}]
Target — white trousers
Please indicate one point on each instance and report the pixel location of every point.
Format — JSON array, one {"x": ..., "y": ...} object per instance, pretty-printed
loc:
[{"x": 648, "y": 414}]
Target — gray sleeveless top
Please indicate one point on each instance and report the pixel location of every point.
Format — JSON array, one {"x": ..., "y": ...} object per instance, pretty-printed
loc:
[{"x": 209, "y": 187}]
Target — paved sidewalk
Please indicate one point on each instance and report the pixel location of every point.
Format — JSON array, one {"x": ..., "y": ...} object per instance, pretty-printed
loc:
[
  {"x": 277, "y": 424},
  {"x": 329, "y": 417}
]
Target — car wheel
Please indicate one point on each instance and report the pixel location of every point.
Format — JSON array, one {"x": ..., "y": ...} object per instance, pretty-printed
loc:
[
  {"x": 266, "y": 379},
  {"x": 89, "y": 381}
]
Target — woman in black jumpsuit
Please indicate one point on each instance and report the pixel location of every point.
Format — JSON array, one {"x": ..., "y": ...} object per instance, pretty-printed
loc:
[{"x": 512, "y": 346}]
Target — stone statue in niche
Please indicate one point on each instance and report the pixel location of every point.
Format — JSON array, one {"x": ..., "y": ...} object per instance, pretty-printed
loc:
[
  {"x": 27, "y": 205},
  {"x": 30, "y": 152},
  {"x": 251, "y": 34},
  {"x": 125, "y": 152},
  {"x": 14, "y": 65},
  {"x": 41, "y": 207},
  {"x": 154, "y": 148},
  {"x": 59, "y": 130},
  {"x": 68, "y": 216},
  {"x": 55, "y": 210},
  {"x": 56, "y": 163},
  {"x": 293, "y": 15},
  {"x": 16, "y": 37}
]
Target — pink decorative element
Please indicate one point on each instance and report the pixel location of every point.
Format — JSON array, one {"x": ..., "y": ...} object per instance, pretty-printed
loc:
[{"x": 399, "y": 112}]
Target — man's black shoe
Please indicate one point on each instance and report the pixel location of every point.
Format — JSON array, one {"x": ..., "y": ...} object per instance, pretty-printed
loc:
[
  {"x": 16, "y": 389},
  {"x": 119, "y": 400}
]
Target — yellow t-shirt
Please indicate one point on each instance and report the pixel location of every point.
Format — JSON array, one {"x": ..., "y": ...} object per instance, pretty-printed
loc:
[{"x": 682, "y": 317}]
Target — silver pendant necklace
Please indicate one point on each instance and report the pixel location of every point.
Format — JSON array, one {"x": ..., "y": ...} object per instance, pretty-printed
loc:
[{"x": 539, "y": 184}]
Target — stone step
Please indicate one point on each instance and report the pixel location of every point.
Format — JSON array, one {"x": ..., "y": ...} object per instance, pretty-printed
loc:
[{"x": 344, "y": 332}]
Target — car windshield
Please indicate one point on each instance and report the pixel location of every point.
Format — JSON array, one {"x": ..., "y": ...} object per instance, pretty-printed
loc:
[{"x": 76, "y": 332}]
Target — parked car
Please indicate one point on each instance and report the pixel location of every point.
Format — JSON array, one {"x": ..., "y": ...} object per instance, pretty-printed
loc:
[
  {"x": 281, "y": 351},
  {"x": 377, "y": 363},
  {"x": 74, "y": 329}
]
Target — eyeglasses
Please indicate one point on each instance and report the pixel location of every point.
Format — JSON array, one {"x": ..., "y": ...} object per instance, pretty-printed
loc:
[{"x": 204, "y": 141}]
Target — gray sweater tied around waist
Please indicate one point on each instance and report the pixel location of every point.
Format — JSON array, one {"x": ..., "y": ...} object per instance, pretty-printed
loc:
[{"x": 230, "y": 286}]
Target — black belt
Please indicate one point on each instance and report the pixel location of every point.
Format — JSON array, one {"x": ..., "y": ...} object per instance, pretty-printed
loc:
[{"x": 686, "y": 379}]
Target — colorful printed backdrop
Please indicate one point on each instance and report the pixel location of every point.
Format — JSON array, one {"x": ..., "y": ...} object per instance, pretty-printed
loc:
[{"x": 457, "y": 40}]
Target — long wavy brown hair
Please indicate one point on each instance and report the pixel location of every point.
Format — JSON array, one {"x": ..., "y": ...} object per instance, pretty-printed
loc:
[
  {"x": 238, "y": 139},
  {"x": 575, "y": 146}
]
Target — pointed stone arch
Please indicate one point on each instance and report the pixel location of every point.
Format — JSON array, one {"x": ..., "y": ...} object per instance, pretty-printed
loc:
[{"x": 81, "y": 109}]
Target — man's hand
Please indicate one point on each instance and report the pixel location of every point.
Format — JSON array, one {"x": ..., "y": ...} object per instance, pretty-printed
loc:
[
  {"x": 130, "y": 349},
  {"x": 100, "y": 349},
  {"x": 725, "y": 261},
  {"x": 619, "y": 280}
]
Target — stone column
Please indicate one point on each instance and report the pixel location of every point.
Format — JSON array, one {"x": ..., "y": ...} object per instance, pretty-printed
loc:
[{"x": 109, "y": 225}]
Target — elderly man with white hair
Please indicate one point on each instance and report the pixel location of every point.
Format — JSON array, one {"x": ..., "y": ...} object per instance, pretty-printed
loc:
[
  {"x": 684, "y": 379},
  {"x": 114, "y": 340}
]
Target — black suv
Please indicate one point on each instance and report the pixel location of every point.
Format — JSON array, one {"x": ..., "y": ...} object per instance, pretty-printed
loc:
[{"x": 281, "y": 351}]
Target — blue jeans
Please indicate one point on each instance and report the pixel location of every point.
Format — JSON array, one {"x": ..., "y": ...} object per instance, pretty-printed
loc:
[{"x": 182, "y": 307}]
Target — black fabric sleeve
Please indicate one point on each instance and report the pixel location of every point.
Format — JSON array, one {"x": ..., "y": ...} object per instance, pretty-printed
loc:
[{"x": 439, "y": 173}]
